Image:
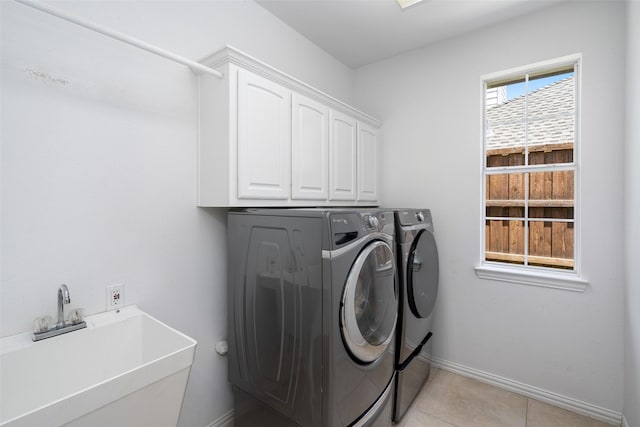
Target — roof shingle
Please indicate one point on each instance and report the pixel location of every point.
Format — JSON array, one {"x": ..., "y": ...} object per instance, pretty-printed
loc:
[{"x": 551, "y": 118}]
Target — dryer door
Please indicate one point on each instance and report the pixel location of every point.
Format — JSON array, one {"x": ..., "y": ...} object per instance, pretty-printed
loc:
[
  {"x": 422, "y": 275},
  {"x": 369, "y": 304}
]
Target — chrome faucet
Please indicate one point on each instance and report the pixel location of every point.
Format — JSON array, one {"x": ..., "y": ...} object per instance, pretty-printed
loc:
[
  {"x": 43, "y": 329},
  {"x": 63, "y": 298}
]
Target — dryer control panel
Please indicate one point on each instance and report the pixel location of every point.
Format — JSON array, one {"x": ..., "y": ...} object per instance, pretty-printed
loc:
[{"x": 414, "y": 216}]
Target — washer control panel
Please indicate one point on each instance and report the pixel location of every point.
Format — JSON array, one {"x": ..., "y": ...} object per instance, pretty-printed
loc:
[
  {"x": 349, "y": 226},
  {"x": 376, "y": 221},
  {"x": 370, "y": 222}
]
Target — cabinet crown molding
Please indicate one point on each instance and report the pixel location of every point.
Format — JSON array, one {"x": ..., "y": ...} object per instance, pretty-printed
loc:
[{"x": 231, "y": 55}]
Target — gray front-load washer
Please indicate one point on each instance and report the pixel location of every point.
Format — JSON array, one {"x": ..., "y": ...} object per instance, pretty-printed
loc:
[{"x": 312, "y": 316}]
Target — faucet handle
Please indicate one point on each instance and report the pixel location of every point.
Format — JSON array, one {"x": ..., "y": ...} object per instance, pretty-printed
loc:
[
  {"x": 75, "y": 316},
  {"x": 42, "y": 324}
]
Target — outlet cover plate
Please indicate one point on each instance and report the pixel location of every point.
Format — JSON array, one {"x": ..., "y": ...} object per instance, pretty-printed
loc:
[{"x": 115, "y": 297}]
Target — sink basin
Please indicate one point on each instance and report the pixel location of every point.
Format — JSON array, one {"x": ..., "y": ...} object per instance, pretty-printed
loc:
[{"x": 125, "y": 368}]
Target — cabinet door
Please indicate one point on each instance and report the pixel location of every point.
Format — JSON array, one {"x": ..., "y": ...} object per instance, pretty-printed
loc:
[
  {"x": 264, "y": 136},
  {"x": 309, "y": 149},
  {"x": 367, "y": 162},
  {"x": 342, "y": 152}
]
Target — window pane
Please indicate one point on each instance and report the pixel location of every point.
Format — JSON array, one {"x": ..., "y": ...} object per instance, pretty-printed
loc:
[
  {"x": 551, "y": 244},
  {"x": 505, "y": 191},
  {"x": 504, "y": 241},
  {"x": 551, "y": 190},
  {"x": 504, "y": 128},
  {"x": 550, "y": 119}
]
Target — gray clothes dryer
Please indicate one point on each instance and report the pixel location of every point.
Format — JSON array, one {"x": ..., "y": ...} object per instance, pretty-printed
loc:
[
  {"x": 312, "y": 316},
  {"x": 418, "y": 287}
]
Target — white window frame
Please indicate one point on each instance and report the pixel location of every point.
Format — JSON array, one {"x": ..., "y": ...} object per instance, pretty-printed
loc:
[{"x": 572, "y": 280}]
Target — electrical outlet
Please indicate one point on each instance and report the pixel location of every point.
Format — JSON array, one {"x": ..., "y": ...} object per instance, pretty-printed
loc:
[{"x": 115, "y": 297}]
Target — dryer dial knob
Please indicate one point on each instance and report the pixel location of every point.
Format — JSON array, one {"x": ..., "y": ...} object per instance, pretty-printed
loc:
[
  {"x": 420, "y": 216},
  {"x": 373, "y": 222}
]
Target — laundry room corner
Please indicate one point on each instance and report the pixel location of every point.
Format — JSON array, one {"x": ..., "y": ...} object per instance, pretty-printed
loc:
[
  {"x": 99, "y": 158},
  {"x": 565, "y": 342}
]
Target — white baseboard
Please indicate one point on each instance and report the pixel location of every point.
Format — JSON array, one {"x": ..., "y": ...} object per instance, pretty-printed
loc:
[
  {"x": 583, "y": 408},
  {"x": 226, "y": 420}
]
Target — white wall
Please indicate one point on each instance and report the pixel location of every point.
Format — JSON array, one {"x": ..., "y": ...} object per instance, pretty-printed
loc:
[
  {"x": 430, "y": 102},
  {"x": 632, "y": 232},
  {"x": 99, "y": 165}
]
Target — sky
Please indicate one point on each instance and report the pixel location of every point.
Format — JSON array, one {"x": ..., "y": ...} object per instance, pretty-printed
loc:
[{"x": 517, "y": 89}]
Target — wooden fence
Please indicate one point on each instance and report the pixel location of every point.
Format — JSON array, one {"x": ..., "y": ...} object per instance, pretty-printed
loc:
[{"x": 551, "y": 195}]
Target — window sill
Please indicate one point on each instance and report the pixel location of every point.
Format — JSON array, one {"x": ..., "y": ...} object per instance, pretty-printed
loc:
[{"x": 556, "y": 280}]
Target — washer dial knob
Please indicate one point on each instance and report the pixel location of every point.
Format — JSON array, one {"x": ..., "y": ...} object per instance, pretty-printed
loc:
[
  {"x": 420, "y": 216},
  {"x": 373, "y": 222}
]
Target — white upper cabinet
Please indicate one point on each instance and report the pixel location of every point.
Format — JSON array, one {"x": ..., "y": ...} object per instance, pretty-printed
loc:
[
  {"x": 309, "y": 149},
  {"x": 343, "y": 154},
  {"x": 267, "y": 139},
  {"x": 264, "y": 135},
  {"x": 367, "y": 162}
]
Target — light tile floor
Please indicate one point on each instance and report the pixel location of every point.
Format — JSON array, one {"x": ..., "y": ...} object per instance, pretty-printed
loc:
[{"x": 452, "y": 400}]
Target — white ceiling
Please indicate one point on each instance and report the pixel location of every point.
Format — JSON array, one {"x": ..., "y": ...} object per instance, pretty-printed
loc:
[{"x": 359, "y": 32}]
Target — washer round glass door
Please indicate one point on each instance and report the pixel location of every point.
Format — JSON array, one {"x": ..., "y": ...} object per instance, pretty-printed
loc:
[
  {"x": 422, "y": 275},
  {"x": 369, "y": 304}
]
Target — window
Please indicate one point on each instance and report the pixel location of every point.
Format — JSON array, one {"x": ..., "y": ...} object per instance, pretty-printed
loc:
[{"x": 530, "y": 140}]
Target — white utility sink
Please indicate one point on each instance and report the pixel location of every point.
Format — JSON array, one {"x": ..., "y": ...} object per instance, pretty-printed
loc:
[{"x": 125, "y": 369}]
